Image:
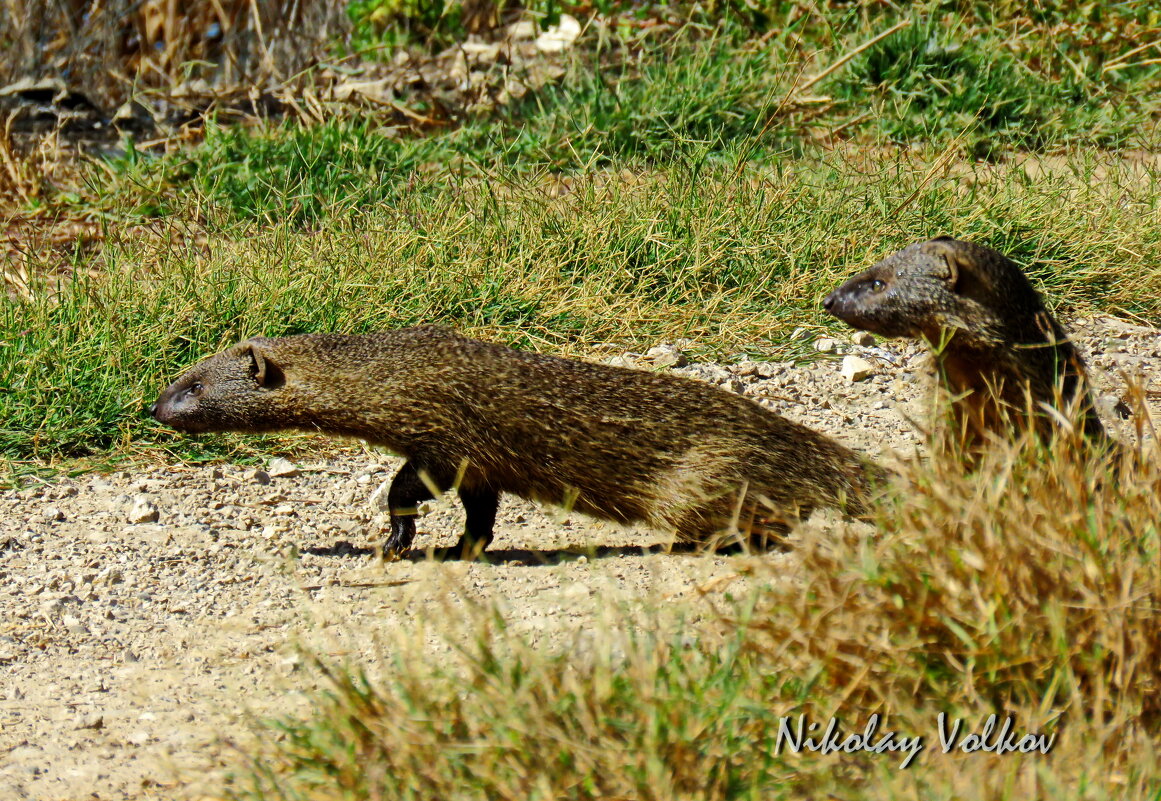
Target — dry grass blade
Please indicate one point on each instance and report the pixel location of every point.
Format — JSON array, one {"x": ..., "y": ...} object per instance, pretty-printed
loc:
[
  {"x": 898, "y": 26},
  {"x": 19, "y": 177}
]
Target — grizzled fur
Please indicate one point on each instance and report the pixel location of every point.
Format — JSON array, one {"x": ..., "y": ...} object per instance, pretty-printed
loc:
[
  {"x": 995, "y": 344},
  {"x": 619, "y": 444}
]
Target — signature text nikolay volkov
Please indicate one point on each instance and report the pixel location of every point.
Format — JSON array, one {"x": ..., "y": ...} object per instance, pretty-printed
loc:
[{"x": 799, "y": 734}]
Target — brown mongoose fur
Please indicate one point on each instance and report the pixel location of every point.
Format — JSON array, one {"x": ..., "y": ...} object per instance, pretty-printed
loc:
[
  {"x": 616, "y": 443},
  {"x": 998, "y": 351}
]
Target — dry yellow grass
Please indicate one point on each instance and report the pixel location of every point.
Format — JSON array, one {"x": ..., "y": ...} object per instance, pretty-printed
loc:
[{"x": 1028, "y": 590}]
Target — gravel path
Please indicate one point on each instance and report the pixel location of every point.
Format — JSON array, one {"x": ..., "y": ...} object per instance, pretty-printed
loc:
[{"x": 145, "y": 614}]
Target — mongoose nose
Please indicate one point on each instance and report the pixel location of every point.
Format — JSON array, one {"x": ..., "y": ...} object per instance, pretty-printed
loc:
[
  {"x": 153, "y": 410},
  {"x": 828, "y": 301}
]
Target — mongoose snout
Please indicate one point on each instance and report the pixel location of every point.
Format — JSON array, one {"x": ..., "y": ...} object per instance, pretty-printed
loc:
[
  {"x": 861, "y": 302},
  {"x": 483, "y": 419}
]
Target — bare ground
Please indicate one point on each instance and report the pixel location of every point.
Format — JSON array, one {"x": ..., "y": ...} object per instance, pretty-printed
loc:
[{"x": 133, "y": 655}]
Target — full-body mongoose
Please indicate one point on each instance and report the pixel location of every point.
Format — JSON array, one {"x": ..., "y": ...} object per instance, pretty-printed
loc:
[
  {"x": 995, "y": 344},
  {"x": 619, "y": 444}
]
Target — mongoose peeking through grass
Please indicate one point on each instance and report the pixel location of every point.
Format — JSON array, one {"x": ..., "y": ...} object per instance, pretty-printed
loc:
[
  {"x": 619, "y": 444},
  {"x": 997, "y": 349}
]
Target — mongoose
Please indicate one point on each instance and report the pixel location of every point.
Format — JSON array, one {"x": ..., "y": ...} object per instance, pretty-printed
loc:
[
  {"x": 615, "y": 443},
  {"x": 996, "y": 346}
]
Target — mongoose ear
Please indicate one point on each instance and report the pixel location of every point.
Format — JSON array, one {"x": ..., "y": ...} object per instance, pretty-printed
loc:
[
  {"x": 964, "y": 276},
  {"x": 944, "y": 248},
  {"x": 267, "y": 374}
]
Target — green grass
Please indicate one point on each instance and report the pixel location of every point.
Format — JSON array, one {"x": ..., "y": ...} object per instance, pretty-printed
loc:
[
  {"x": 681, "y": 251},
  {"x": 689, "y": 99},
  {"x": 532, "y": 727},
  {"x": 301, "y": 175},
  {"x": 943, "y": 78}
]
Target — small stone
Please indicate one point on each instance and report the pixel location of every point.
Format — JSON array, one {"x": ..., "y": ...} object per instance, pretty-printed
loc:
[
  {"x": 258, "y": 476},
  {"x": 666, "y": 356},
  {"x": 282, "y": 468},
  {"x": 52, "y": 514},
  {"x": 825, "y": 345},
  {"x": 378, "y": 499},
  {"x": 856, "y": 369},
  {"x": 561, "y": 36},
  {"x": 864, "y": 338},
  {"x": 734, "y": 385},
  {"x": 747, "y": 368},
  {"x": 800, "y": 333},
  {"x": 1112, "y": 405},
  {"x": 711, "y": 373},
  {"x": 143, "y": 510}
]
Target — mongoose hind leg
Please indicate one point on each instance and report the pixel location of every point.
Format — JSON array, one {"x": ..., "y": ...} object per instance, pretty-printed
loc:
[
  {"x": 480, "y": 504},
  {"x": 759, "y": 533}
]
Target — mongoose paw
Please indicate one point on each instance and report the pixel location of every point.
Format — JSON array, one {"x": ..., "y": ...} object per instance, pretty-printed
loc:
[
  {"x": 402, "y": 535},
  {"x": 387, "y": 554}
]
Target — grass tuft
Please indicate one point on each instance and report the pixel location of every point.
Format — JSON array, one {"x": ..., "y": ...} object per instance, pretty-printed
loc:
[{"x": 941, "y": 80}]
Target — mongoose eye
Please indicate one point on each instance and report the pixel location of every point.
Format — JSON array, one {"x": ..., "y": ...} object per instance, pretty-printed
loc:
[
  {"x": 195, "y": 388},
  {"x": 878, "y": 285}
]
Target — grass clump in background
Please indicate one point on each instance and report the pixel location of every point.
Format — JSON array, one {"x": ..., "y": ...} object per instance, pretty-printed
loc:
[
  {"x": 942, "y": 78},
  {"x": 945, "y": 77},
  {"x": 1034, "y": 592},
  {"x": 689, "y": 99},
  {"x": 298, "y": 175}
]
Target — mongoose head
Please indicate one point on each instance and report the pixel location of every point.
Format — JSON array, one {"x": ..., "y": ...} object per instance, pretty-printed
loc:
[
  {"x": 235, "y": 390},
  {"x": 932, "y": 288}
]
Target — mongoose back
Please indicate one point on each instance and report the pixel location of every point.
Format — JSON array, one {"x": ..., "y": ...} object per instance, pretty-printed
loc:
[
  {"x": 995, "y": 344},
  {"x": 619, "y": 444}
]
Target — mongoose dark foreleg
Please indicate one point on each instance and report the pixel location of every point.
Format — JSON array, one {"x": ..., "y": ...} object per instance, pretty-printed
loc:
[{"x": 406, "y": 492}]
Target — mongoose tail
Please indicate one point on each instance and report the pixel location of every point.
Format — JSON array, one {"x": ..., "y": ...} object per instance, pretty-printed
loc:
[
  {"x": 618, "y": 444},
  {"x": 996, "y": 345}
]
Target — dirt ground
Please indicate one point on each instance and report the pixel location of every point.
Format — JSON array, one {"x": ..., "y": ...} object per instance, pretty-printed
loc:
[{"x": 147, "y": 616}]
